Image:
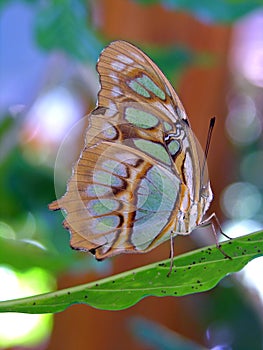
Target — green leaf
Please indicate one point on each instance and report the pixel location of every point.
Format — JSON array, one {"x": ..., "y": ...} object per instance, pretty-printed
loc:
[
  {"x": 64, "y": 25},
  {"x": 193, "y": 272}
]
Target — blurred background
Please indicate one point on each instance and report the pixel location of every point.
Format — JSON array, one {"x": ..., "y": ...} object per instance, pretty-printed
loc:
[{"x": 212, "y": 52}]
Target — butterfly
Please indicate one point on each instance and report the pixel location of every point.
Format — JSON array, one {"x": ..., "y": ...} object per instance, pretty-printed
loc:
[{"x": 141, "y": 178}]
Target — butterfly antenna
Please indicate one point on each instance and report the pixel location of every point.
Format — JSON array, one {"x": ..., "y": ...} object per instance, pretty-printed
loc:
[{"x": 208, "y": 140}]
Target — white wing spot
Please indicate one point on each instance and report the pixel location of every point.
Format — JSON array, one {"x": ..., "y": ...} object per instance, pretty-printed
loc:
[
  {"x": 137, "y": 57},
  {"x": 110, "y": 113},
  {"x": 181, "y": 113},
  {"x": 118, "y": 66},
  {"x": 114, "y": 77},
  {"x": 188, "y": 167},
  {"x": 125, "y": 59},
  {"x": 116, "y": 91},
  {"x": 111, "y": 110},
  {"x": 109, "y": 131}
]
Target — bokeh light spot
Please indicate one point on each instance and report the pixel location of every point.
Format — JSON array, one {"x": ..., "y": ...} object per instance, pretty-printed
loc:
[
  {"x": 252, "y": 168},
  {"x": 251, "y": 276},
  {"x": 237, "y": 228},
  {"x": 243, "y": 125},
  {"x": 247, "y": 50},
  {"x": 17, "y": 329},
  {"x": 241, "y": 200},
  {"x": 52, "y": 114}
]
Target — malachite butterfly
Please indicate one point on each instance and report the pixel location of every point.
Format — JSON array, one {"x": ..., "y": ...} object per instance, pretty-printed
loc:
[{"x": 139, "y": 180}]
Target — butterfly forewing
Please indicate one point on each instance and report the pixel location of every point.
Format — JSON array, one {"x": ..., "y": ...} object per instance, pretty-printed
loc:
[
  {"x": 138, "y": 179},
  {"x": 127, "y": 74}
]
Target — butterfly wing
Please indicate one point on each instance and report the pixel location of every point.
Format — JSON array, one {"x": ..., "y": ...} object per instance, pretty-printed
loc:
[
  {"x": 138, "y": 177},
  {"x": 118, "y": 200},
  {"x": 127, "y": 74},
  {"x": 134, "y": 90}
]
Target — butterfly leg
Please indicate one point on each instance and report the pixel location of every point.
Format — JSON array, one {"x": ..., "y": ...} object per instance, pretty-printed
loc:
[
  {"x": 213, "y": 221},
  {"x": 171, "y": 253}
]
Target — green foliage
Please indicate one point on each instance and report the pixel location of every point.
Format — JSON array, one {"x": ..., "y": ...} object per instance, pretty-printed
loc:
[
  {"x": 16, "y": 178},
  {"x": 193, "y": 272},
  {"x": 174, "y": 60},
  {"x": 63, "y": 25},
  {"x": 22, "y": 255},
  {"x": 30, "y": 235},
  {"x": 225, "y": 11},
  {"x": 26, "y": 239}
]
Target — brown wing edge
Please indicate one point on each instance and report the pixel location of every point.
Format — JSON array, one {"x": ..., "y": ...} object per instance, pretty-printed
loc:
[
  {"x": 76, "y": 241},
  {"x": 54, "y": 206}
]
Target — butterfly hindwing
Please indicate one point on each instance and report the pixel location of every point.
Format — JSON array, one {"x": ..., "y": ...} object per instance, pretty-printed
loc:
[{"x": 116, "y": 196}]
